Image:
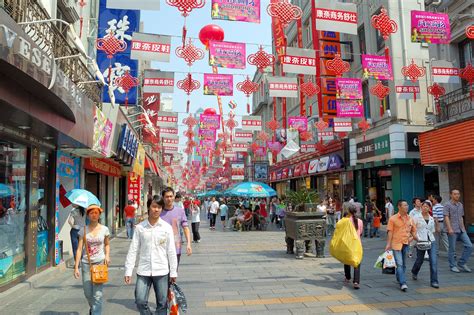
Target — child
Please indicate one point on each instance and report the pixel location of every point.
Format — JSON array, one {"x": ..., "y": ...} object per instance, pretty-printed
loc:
[{"x": 376, "y": 223}]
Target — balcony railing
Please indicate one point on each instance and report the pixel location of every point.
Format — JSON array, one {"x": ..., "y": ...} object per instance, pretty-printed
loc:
[
  {"x": 54, "y": 42},
  {"x": 456, "y": 105}
]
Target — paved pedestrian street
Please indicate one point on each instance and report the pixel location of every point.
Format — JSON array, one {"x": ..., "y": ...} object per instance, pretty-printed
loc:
[{"x": 250, "y": 273}]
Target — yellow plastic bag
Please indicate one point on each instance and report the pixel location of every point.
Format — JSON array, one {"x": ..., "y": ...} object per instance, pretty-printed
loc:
[{"x": 345, "y": 244}]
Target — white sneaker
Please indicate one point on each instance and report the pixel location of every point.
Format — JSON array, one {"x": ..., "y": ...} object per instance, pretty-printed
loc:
[
  {"x": 455, "y": 269},
  {"x": 404, "y": 287},
  {"x": 464, "y": 268}
]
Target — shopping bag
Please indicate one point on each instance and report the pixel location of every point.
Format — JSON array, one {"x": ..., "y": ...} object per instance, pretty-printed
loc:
[
  {"x": 180, "y": 297},
  {"x": 389, "y": 260},
  {"x": 173, "y": 307},
  {"x": 379, "y": 262},
  {"x": 345, "y": 244}
]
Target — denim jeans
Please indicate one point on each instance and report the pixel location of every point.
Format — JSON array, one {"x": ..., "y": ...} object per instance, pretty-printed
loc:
[
  {"x": 93, "y": 292},
  {"x": 74, "y": 241},
  {"x": 401, "y": 258},
  {"x": 420, "y": 255},
  {"x": 213, "y": 219},
  {"x": 130, "y": 223},
  {"x": 142, "y": 292},
  {"x": 464, "y": 238}
]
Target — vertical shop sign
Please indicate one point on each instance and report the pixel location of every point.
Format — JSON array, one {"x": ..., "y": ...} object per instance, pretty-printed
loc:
[
  {"x": 134, "y": 187},
  {"x": 33, "y": 211}
]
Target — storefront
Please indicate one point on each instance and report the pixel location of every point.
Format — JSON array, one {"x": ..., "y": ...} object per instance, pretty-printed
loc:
[
  {"x": 39, "y": 106},
  {"x": 388, "y": 165}
]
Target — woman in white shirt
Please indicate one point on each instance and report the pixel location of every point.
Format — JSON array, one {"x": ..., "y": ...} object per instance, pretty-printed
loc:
[
  {"x": 425, "y": 228},
  {"x": 195, "y": 221},
  {"x": 77, "y": 220}
]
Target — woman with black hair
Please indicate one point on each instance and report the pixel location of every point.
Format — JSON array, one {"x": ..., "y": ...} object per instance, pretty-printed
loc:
[
  {"x": 77, "y": 220},
  {"x": 358, "y": 225}
]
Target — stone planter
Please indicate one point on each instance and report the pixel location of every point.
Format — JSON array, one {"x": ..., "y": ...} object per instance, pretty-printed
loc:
[{"x": 304, "y": 228}]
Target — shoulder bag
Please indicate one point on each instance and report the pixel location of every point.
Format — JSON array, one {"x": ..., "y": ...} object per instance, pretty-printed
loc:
[
  {"x": 423, "y": 245},
  {"x": 100, "y": 272}
]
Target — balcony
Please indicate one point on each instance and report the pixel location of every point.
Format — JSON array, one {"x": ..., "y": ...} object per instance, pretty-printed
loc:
[
  {"x": 53, "y": 40},
  {"x": 455, "y": 106}
]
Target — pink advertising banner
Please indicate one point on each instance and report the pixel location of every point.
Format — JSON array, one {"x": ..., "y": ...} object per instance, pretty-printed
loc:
[
  {"x": 209, "y": 121},
  {"x": 206, "y": 145},
  {"x": 299, "y": 123},
  {"x": 218, "y": 84},
  {"x": 236, "y": 10},
  {"x": 227, "y": 55},
  {"x": 429, "y": 27},
  {"x": 350, "y": 108},
  {"x": 376, "y": 67},
  {"x": 207, "y": 134},
  {"x": 348, "y": 89}
]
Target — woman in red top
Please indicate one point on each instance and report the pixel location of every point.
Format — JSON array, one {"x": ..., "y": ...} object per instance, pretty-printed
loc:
[
  {"x": 263, "y": 209},
  {"x": 376, "y": 223}
]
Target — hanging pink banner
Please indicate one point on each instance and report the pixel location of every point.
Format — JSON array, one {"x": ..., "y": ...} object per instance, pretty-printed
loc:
[
  {"x": 209, "y": 121},
  {"x": 227, "y": 55},
  {"x": 218, "y": 84},
  {"x": 206, "y": 145},
  {"x": 429, "y": 27},
  {"x": 348, "y": 89},
  {"x": 376, "y": 67},
  {"x": 350, "y": 108},
  {"x": 299, "y": 123},
  {"x": 236, "y": 10},
  {"x": 207, "y": 134}
]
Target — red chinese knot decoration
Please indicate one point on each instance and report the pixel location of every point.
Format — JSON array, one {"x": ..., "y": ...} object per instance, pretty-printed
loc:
[
  {"x": 306, "y": 136},
  {"x": 470, "y": 32},
  {"x": 186, "y": 6},
  {"x": 284, "y": 11},
  {"x": 111, "y": 45},
  {"x": 337, "y": 65},
  {"x": 436, "y": 90},
  {"x": 189, "y": 53},
  {"x": 190, "y": 121},
  {"x": 273, "y": 125},
  {"x": 413, "y": 71},
  {"x": 263, "y": 136},
  {"x": 384, "y": 24},
  {"x": 126, "y": 82},
  {"x": 321, "y": 125},
  {"x": 247, "y": 87},
  {"x": 309, "y": 89},
  {"x": 188, "y": 84},
  {"x": 261, "y": 59},
  {"x": 381, "y": 91},
  {"x": 364, "y": 126},
  {"x": 254, "y": 147},
  {"x": 467, "y": 74}
]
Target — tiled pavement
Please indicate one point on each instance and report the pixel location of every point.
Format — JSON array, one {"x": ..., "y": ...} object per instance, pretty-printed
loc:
[{"x": 250, "y": 273}]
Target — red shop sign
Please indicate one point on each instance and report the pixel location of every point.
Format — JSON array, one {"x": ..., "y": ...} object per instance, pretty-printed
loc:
[
  {"x": 134, "y": 187},
  {"x": 103, "y": 166}
]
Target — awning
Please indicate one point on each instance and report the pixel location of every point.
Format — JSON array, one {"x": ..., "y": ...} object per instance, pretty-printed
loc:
[
  {"x": 448, "y": 144},
  {"x": 150, "y": 165}
]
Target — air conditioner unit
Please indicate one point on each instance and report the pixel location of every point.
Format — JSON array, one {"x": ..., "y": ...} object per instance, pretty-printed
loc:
[{"x": 69, "y": 10}]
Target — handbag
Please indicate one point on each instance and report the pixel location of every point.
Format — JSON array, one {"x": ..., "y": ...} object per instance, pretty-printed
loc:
[
  {"x": 100, "y": 272},
  {"x": 423, "y": 245}
]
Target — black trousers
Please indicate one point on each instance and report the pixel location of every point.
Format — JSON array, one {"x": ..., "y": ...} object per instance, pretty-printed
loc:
[
  {"x": 195, "y": 229},
  {"x": 347, "y": 272},
  {"x": 213, "y": 219}
]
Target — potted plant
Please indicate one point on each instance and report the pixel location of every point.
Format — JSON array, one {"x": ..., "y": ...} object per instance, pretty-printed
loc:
[{"x": 303, "y": 200}]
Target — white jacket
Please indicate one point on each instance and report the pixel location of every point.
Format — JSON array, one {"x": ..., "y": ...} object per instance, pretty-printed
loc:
[{"x": 424, "y": 231}]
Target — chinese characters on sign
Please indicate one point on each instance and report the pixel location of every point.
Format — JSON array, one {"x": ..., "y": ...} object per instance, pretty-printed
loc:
[
  {"x": 236, "y": 10},
  {"x": 151, "y": 47},
  {"x": 134, "y": 187},
  {"x": 227, "y": 55},
  {"x": 158, "y": 82},
  {"x": 377, "y": 67},
  {"x": 373, "y": 147},
  {"x": 336, "y": 16},
  {"x": 253, "y": 123},
  {"x": 429, "y": 27},
  {"x": 218, "y": 84}
]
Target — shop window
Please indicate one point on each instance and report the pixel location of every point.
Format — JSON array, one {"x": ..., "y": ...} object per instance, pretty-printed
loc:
[
  {"x": 44, "y": 228},
  {"x": 361, "y": 36},
  {"x": 13, "y": 160},
  {"x": 378, "y": 36},
  {"x": 466, "y": 55},
  {"x": 386, "y": 101},
  {"x": 366, "y": 99}
]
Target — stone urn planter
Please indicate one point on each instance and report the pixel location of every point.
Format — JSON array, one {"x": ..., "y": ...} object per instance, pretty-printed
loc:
[{"x": 303, "y": 228}]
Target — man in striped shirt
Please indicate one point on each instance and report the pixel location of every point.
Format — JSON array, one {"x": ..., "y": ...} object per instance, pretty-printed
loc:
[{"x": 441, "y": 235}]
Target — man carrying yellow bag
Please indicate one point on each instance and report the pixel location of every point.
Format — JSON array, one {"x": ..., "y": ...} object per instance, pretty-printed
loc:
[{"x": 346, "y": 245}]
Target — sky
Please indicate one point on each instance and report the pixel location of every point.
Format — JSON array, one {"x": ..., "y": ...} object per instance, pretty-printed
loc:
[{"x": 168, "y": 21}]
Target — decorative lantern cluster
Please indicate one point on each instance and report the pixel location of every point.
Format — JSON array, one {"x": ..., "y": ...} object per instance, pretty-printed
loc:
[
  {"x": 190, "y": 121},
  {"x": 248, "y": 87},
  {"x": 381, "y": 91}
]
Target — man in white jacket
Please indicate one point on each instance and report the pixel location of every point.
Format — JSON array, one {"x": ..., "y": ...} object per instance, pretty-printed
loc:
[{"x": 153, "y": 241}]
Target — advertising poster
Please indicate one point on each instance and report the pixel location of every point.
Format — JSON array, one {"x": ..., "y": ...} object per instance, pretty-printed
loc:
[
  {"x": 134, "y": 187},
  {"x": 261, "y": 171},
  {"x": 209, "y": 121},
  {"x": 218, "y": 84},
  {"x": 376, "y": 67},
  {"x": 430, "y": 27},
  {"x": 227, "y": 55},
  {"x": 282, "y": 87},
  {"x": 123, "y": 23},
  {"x": 156, "y": 81},
  {"x": 167, "y": 119},
  {"x": 243, "y": 136},
  {"x": 443, "y": 71},
  {"x": 342, "y": 124},
  {"x": 301, "y": 61},
  {"x": 349, "y": 89},
  {"x": 253, "y": 123},
  {"x": 207, "y": 145},
  {"x": 350, "y": 108},
  {"x": 151, "y": 47},
  {"x": 299, "y": 123},
  {"x": 236, "y": 10},
  {"x": 238, "y": 171},
  {"x": 102, "y": 132},
  {"x": 207, "y": 134}
]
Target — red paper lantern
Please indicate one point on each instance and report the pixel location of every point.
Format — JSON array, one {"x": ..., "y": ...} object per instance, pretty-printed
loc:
[
  {"x": 470, "y": 32},
  {"x": 209, "y": 111},
  {"x": 126, "y": 82},
  {"x": 261, "y": 59},
  {"x": 381, "y": 91},
  {"x": 186, "y": 6},
  {"x": 337, "y": 65},
  {"x": 211, "y": 32},
  {"x": 384, "y": 24},
  {"x": 247, "y": 87},
  {"x": 284, "y": 11},
  {"x": 189, "y": 53},
  {"x": 467, "y": 74}
]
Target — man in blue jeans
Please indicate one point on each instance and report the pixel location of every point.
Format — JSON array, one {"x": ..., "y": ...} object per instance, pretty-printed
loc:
[
  {"x": 157, "y": 261},
  {"x": 400, "y": 231},
  {"x": 453, "y": 219}
]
